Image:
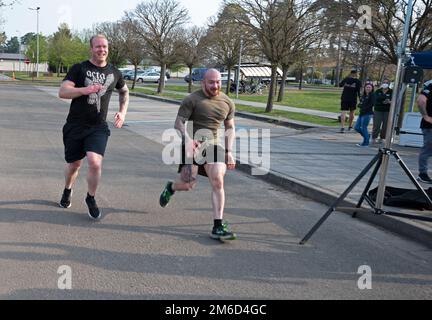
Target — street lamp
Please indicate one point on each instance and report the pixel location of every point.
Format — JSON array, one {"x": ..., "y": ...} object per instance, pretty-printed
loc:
[{"x": 37, "y": 40}]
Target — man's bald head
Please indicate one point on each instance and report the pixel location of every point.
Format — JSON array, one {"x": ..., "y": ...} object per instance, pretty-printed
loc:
[
  {"x": 212, "y": 83},
  {"x": 211, "y": 72}
]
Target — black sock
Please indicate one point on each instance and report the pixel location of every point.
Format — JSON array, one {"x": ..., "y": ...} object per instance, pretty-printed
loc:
[
  {"x": 170, "y": 189},
  {"x": 217, "y": 223},
  {"x": 67, "y": 190},
  {"x": 89, "y": 196}
]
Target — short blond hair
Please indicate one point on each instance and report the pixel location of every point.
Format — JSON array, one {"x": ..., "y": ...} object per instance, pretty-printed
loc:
[{"x": 97, "y": 36}]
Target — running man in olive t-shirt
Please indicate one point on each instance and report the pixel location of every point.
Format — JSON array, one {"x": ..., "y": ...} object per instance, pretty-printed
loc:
[{"x": 206, "y": 110}]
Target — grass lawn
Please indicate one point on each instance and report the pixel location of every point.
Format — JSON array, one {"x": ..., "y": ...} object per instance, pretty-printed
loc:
[
  {"x": 308, "y": 99},
  {"x": 290, "y": 116},
  {"x": 42, "y": 77}
]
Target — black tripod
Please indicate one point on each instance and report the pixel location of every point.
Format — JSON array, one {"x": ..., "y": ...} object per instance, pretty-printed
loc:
[{"x": 378, "y": 160}]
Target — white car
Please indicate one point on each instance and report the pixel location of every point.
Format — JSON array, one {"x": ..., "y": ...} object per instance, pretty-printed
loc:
[{"x": 149, "y": 77}]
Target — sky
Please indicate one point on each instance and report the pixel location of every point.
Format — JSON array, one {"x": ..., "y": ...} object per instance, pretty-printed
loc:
[{"x": 83, "y": 14}]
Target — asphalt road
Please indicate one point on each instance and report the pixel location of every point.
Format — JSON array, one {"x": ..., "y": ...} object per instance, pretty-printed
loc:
[{"x": 141, "y": 251}]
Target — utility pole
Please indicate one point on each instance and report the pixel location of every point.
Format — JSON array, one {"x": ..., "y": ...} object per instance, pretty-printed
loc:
[{"x": 37, "y": 40}]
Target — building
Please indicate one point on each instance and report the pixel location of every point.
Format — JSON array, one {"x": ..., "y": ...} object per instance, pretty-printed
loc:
[{"x": 17, "y": 62}]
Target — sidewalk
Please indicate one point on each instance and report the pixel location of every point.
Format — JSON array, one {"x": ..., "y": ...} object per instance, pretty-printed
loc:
[{"x": 320, "y": 163}]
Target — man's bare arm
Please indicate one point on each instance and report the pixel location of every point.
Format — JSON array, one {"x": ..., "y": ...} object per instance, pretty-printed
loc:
[
  {"x": 229, "y": 134},
  {"x": 421, "y": 103},
  {"x": 180, "y": 125},
  {"x": 68, "y": 90},
  {"x": 124, "y": 99},
  {"x": 120, "y": 116}
]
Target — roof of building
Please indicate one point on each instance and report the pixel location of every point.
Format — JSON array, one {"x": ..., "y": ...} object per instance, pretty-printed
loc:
[
  {"x": 257, "y": 71},
  {"x": 12, "y": 56}
]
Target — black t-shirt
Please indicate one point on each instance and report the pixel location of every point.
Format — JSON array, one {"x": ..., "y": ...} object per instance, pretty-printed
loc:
[
  {"x": 92, "y": 110},
  {"x": 427, "y": 91},
  {"x": 351, "y": 89}
]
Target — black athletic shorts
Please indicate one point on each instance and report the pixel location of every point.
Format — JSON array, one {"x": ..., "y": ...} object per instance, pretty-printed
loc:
[
  {"x": 211, "y": 154},
  {"x": 78, "y": 140},
  {"x": 348, "y": 105}
]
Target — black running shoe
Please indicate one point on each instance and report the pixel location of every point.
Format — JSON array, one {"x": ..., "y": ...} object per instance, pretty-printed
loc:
[
  {"x": 166, "y": 195},
  {"x": 94, "y": 211},
  {"x": 222, "y": 233},
  {"x": 66, "y": 198},
  {"x": 423, "y": 177}
]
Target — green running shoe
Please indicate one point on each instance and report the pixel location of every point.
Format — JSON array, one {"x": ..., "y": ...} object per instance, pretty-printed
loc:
[
  {"x": 165, "y": 195},
  {"x": 221, "y": 233}
]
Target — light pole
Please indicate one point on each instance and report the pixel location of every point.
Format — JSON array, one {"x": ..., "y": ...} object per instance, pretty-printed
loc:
[{"x": 37, "y": 40}]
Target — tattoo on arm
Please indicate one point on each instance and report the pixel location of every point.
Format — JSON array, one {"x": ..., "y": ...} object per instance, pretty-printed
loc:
[
  {"x": 124, "y": 97},
  {"x": 180, "y": 125}
]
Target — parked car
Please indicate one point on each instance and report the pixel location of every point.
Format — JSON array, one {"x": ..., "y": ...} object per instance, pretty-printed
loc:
[
  {"x": 149, "y": 77},
  {"x": 128, "y": 75},
  {"x": 197, "y": 74}
]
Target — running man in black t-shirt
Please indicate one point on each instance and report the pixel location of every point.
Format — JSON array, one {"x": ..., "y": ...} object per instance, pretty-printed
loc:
[
  {"x": 351, "y": 91},
  {"x": 85, "y": 134}
]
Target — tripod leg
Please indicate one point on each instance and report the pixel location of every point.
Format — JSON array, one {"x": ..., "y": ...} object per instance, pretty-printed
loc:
[
  {"x": 371, "y": 179},
  {"x": 341, "y": 198},
  {"x": 412, "y": 178}
]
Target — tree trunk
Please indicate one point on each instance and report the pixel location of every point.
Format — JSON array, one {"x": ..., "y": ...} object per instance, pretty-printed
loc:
[
  {"x": 134, "y": 78},
  {"x": 282, "y": 85},
  {"x": 269, "y": 107},
  {"x": 162, "y": 79},
  {"x": 301, "y": 77},
  {"x": 227, "y": 90}
]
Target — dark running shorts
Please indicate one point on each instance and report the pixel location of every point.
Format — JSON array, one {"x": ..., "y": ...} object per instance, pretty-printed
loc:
[
  {"x": 212, "y": 154},
  {"x": 78, "y": 140},
  {"x": 348, "y": 106}
]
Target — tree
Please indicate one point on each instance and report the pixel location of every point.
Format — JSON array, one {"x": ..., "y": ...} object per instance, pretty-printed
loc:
[
  {"x": 59, "y": 46},
  {"x": 31, "y": 52},
  {"x": 12, "y": 45},
  {"x": 268, "y": 20},
  {"x": 111, "y": 30},
  {"x": 192, "y": 50},
  {"x": 298, "y": 36},
  {"x": 3, "y": 39},
  {"x": 27, "y": 38},
  {"x": 133, "y": 47},
  {"x": 225, "y": 37},
  {"x": 158, "y": 23}
]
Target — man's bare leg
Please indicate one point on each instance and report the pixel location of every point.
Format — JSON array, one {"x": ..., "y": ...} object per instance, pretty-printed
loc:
[
  {"x": 94, "y": 172},
  {"x": 351, "y": 118},
  {"x": 343, "y": 118},
  {"x": 216, "y": 173}
]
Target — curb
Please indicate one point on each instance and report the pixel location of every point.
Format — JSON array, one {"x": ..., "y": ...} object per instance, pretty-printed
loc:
[{"x": 396, "y": 225}]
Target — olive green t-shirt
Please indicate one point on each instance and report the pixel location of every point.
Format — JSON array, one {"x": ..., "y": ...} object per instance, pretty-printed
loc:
[{"x": 207, "y": 112}]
